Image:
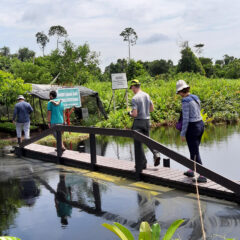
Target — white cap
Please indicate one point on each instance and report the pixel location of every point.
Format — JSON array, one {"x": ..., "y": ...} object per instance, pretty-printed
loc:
[
  {"x": 181, "y": 84},
  {"x": 20, "y": 97}
]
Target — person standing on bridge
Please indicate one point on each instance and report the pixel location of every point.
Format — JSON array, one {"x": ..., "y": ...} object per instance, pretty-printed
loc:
[
  {"x": 192, "y": 124},
  {"x": 141, "y": 108},
  {"x": 22, "y": 111},
  {"x": 55, "y": 113}
]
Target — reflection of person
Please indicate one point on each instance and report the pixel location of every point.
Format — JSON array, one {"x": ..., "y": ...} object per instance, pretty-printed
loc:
[
  {"x": 22, "y": 111},
  {"x": 192, "y": 124},
  {"x": 64, "y": 210},
  {"x": 141, "y": 108},
  {"x": 29, "y": 191},
  {"x": 55, "y": 113}
]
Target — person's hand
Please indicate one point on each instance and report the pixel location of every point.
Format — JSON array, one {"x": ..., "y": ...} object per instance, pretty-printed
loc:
[
  {"x": 183, "y": 138},
  {"x": 49, "y": 125},
  {"x": 14, "y": 122}
]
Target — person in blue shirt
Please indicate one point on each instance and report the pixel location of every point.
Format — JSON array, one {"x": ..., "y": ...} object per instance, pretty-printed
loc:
[
  {"x": 21, "y": 117},
  {"x": 192, "y": 125},
  {"x": 55, "y": 114}
]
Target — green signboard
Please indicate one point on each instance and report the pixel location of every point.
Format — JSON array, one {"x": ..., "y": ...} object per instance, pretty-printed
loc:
[{"x": 70, "y": 97}]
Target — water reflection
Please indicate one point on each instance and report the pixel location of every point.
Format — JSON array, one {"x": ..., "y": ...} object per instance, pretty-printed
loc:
[
  {"x": 14, "y": 194},
  {"x": 36, "y": 198},
  {"x": 64, "y": 210}
]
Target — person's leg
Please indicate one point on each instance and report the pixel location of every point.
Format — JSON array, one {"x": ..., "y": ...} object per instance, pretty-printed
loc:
[
  {"x": 193, "y": 137},
  {"x": 137, "y": 126},
  {"x": 19, "y": 131},
  {"x": 26, "y": 128},
  {"x": 156, "y": 154}
]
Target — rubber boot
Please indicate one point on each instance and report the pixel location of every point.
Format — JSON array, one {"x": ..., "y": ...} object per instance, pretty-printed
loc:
[{"x": 19, "y": 140}]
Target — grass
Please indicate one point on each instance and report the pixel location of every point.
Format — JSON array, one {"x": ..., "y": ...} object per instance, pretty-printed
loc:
[
  {"x": 67, "y": 138},
  {"x": 7, "y": 142},
  {"x": 11, "y": 127}
]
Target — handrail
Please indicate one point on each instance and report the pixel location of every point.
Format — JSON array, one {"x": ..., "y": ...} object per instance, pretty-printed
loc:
[
  {"x": 138, "y": 139},
  {"x": 95, "y": 130},
  {"x": 223, "y": 181}
]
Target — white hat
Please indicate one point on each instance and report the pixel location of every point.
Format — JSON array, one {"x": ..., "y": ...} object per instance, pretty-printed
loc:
[
  {"x": 181, "y": 84},
  {"x": 20, "y": 97}
]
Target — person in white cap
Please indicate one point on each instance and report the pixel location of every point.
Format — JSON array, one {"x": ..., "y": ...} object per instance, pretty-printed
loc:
[
  {"x": 22, "y": 111},
  {"x": 192, "y": 124}
]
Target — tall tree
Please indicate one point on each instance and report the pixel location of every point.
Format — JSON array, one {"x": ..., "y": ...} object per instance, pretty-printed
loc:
[
  {"x": 189, "y": 62},
  {"x": 130, "y": 36},
  {"x": 42, "y": 39},
  {"x": 57, "y": 31},
  {"x": 25, "y": 54},
  {"x": 5, "y": 51}
]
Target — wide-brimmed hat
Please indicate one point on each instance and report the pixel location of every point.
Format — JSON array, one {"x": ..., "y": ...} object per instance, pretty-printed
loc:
[
  {"x": 134, "y": 82},
  {"x": 181, "y": 84},
  {"x": 20, "y": 97}
]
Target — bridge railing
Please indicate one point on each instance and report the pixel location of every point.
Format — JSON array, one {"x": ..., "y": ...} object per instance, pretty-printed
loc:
[{"x": 138, "y": 140}]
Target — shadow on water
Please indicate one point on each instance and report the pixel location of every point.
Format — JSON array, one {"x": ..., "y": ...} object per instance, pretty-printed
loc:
[{"x": 37, "y": 198}]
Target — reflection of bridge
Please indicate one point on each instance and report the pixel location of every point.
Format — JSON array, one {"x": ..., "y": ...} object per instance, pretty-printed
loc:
[
  {"x": 146, "y": 209},
  {"x": 217, "y": 185}
]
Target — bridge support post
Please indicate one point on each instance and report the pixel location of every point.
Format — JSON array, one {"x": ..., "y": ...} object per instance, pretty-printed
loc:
[
  {"x": 59, "y": 146},
  {"x": 93, "y": 151},
  {"x": 138, "y": 159},
  {"x": 166, "y": 162}
]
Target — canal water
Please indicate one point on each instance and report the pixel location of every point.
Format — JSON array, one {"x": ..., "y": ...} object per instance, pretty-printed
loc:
[
  {"x": 219, "y": 150},
  {"x": 41, "y": 200}
]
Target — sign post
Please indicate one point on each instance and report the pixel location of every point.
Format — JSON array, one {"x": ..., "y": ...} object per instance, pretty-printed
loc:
[
  {"x": 70, "y": 98},
  {"x": 119, "y": 81}
]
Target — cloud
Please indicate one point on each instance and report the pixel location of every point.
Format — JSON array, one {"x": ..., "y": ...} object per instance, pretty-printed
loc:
[
  {"x": 99, "y": 22},
  {"x": 158, "y": 37}
]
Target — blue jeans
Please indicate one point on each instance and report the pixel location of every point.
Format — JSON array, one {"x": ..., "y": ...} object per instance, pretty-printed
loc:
[{"x": 193, "y": 136}]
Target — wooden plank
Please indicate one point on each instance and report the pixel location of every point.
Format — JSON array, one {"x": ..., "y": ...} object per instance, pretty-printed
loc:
[{"x": 166, "y": 176}]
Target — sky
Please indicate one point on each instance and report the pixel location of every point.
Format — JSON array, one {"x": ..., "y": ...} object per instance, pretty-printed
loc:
[{"x": 161, "y": 26}]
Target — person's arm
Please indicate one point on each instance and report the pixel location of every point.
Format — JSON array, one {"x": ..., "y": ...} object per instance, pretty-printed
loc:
[
  {"x": 49, "y": 115},
  {"x": 151, "y": 107},
  {"x": 185, "y": 115},
  {"x": 56, "y": 103},
  {"x": 14, "y": 114},
  {"x": 64, "y": 117},
  {"x": 134, "y": 111},
  {"x": 30, "y": 109}
]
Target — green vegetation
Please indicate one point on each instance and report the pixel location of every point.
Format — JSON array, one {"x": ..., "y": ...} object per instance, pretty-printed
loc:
[
  {"x": 220, "y": 99},
  {"x": 4, "y": 143},
  {"x": 145, "y": 232},
  {"x": 9, "y": 238},
  {"x": 11, "y": 128},
  {"x": 67, "y": 138}
]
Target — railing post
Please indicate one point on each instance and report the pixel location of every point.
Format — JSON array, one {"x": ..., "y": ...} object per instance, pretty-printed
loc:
[
  {"x": 19, "y": 151},
  {"x": 93, "y": 151},
  {"x": 166, "y": 162},
  {"x": 59, "y": 145},
  {"x": 138, "y": 159}
]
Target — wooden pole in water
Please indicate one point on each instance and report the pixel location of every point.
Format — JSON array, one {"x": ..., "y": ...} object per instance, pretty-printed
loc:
[
  {"x": 42, "y": 112},
  {"x": 114, "y": 106}
]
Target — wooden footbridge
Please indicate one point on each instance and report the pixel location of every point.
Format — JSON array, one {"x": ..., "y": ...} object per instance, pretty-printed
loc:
[{"x": 217, "y": 185}]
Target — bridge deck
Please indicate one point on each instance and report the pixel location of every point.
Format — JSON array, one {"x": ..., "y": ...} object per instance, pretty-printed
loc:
[{"x": 158, "y": 175}]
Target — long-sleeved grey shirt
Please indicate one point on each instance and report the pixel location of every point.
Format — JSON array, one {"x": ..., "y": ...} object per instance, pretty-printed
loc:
[
  {"x": 22, "y": 111},
  {"x": 190, "y": 111}
]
